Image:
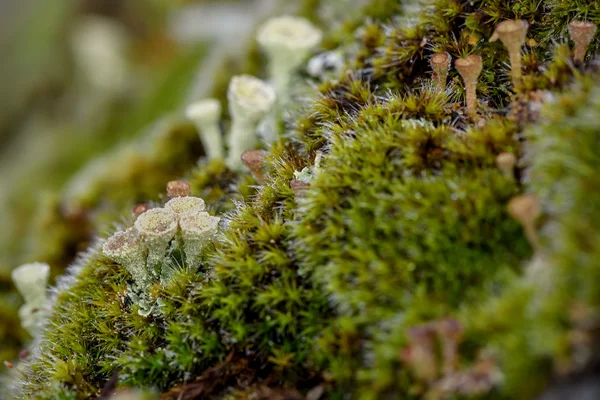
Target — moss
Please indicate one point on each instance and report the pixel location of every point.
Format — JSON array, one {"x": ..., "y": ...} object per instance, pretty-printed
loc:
[
  {"x": 376, "y": 10},
  {"x": 564, "y": 176},
  {"x": 250, "y": 303},
  {"x": 402, "y": 214}
]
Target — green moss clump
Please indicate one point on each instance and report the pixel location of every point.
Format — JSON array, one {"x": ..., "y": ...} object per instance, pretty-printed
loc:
[
  {"x": 250, "y": 304},
  {"x": 405, "y": 221},
  {"x": 536, "y": 326}
]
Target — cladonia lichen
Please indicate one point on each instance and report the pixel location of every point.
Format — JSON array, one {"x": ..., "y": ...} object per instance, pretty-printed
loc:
[
  {"x": 206, "y": 115},
  {"x": 250, "y": 99},
  {"x": 288, "y": 41},
  {"x": 31, "y": 280}
]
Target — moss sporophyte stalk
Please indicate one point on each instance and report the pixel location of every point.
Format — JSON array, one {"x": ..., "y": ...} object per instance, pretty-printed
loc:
[{"x": 392, "y": 240}]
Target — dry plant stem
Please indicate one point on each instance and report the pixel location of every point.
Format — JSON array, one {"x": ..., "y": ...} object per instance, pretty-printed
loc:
[
  {"x": 582, "y": 33},
  {"x": 469, "y": 69},
  {"x": 10, "y": 365}
]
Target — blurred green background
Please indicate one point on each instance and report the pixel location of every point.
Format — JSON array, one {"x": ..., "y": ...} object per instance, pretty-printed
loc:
[{"x": 91, "y": 99}]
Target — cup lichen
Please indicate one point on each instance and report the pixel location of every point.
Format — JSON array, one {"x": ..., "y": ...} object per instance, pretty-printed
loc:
[
  {"x": 469, "y": 69},
  {"x": 288, "y": 41},
  {"x": 31, "y": 281},
  {"x": 156, "y": 228},
  {"x": 582, "y": 33},
  {"x": 250, "y": 100},
  {"x": 512, "y": 34},
  {"x": 206, "y": 115}
]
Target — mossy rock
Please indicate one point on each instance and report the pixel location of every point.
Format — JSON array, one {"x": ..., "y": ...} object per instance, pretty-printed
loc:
[{"x": 341, "y": 287}]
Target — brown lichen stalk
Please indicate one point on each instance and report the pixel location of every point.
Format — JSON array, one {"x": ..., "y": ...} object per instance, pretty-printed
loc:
[
  {"x": 506, "y": 163},
  {"x": 512, "y": 34},
  {"x": 421, "y": 353},
  {"x": 440, "y": 64},
  {"x": 451, "y": 333},
  {"x": 469, "y": 69},
  {"x": 582, "y": 33},
  {"x": 526, "y": 209}
]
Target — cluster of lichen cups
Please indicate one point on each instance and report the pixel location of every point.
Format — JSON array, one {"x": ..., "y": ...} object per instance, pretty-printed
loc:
[
  {"x": 288, "y": 41},
  {"x": 142, "y": 249},
  {"x": 512, "y": 34},
  {"x": 250, "y": 100}
]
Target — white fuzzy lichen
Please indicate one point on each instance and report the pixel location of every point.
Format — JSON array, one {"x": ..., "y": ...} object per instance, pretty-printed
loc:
[
  {"x": 31, "y": 281},
  {"x": 206, "y": 115},
  {"x": 157, "y": 227},
  {"x": 126, "y": 249},
  {"x": 33, "y": 316},
  {"x": 250, "y": 99},
  {"x": 185, "y": 205},
  {"x": 197, "y": 230},
  {"x": 288, "y": 41}
]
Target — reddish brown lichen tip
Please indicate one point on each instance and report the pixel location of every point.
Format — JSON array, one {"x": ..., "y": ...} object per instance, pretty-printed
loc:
[
  {"x": 141, "y": 208},
  {"x": 253, "y": 159},
  {"x": 178, "y": 189}
]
